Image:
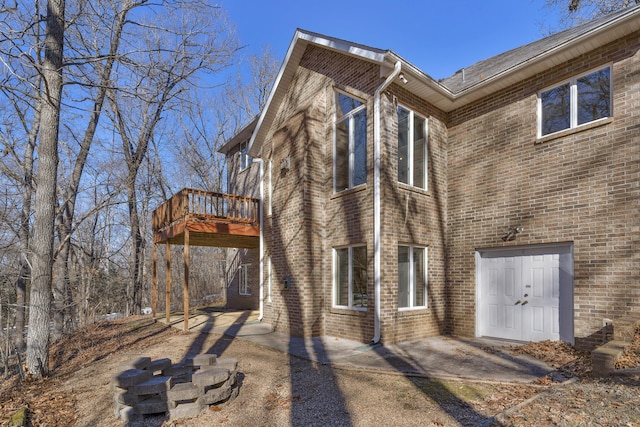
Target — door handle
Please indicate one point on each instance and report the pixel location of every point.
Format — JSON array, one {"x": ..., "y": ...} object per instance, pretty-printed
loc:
[
  {"x": 525, "y": 302},
  {"x": 517, "y": 302}
]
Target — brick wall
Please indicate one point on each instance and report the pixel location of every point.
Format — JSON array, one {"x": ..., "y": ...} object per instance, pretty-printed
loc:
[
  {"x": 582, "y": 187},
  {"x": 413, "y": 216},
  {"x": 309, "y": 220},
  {"x": 245, "y": 182}
]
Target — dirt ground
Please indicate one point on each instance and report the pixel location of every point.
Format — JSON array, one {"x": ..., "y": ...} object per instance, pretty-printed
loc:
[{"x": 278, "y": 389}]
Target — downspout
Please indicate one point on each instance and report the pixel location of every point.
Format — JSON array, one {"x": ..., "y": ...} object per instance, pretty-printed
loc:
[
  {"x": 377, "y": 274},
  {"x": 261, "y": 237}
]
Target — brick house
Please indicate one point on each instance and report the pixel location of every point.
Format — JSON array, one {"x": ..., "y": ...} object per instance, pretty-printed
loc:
[{"x": 502, "y": 201}]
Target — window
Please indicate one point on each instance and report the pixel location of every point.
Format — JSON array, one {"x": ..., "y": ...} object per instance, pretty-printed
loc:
[
  {"x": 269, "y": 278},
  {"x": 243, "y": 280},
  {"x": 350, "y": 146},
  {"x": 412, "y": 277},
  {"x": 581, "y": 100},
  {"x": 350, "y": 277},
  {"x": 412, "y": 148},
  {"x": 245, "y": 159}
]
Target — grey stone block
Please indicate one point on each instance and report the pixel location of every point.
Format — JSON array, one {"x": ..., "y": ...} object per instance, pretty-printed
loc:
[
  {"x": 152, "y": 405},
  {"x": 177, "y": 369},
  {"x": 159, "y": 365},
  {"x": 216, "y": 395},
  {"x": 123, "y": 397},
  {"x": 131, "y": 377},
  {"x": 210, "y": 377},
  {"x": 604, "y": 358},
  {"x": 154, "y": 385},
  {"x": 235, "y": 391},
  {"x": 228, "y": 363},
  {"x": 139, "y": 363},
  {"x": 202, "y": 360},
  {"x": 183, "y": 392},
  {"x": 186, "y": 410}
]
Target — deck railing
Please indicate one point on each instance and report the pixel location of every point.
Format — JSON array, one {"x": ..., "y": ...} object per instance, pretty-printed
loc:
[{"x": 205, "y": 205}]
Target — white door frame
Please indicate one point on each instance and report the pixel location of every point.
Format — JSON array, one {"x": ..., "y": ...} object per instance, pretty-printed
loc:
[{"x": 566, "y": 313}]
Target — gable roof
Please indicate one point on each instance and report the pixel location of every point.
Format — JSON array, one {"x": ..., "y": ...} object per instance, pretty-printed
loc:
[
  {"x": 602, "y": 30},
  {"x": 475, "y": 82}
]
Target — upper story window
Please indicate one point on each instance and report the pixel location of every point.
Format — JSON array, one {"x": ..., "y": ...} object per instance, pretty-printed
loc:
[
  {"x": 245, "y": 158},
  {"x": 350, "y": 145},
  {"x": 583, "y": 99},
  {"x": 350, "y": 277},
  {"x": 412, "y": 148}
]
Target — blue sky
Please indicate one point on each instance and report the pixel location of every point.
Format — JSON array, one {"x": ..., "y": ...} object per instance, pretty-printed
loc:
[{"x": 440, "y": 37}]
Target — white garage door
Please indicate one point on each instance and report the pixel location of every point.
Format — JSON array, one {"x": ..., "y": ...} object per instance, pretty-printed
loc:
[{"x": 526, "y": 294}]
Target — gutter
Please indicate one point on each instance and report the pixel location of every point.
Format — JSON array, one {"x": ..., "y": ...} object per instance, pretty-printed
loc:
[
  {"x": 261, "y": 293},
  {"x": 377, "y": 273}
]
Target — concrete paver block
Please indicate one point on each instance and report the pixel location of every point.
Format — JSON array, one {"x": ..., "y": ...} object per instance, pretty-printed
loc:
[
  {"x": 216, "y": 395},
  {"x": 210, "y": 377},
  {"x": 154, "y": 385},
  {"x": 131, "y": 377},
  {"x": 202, "y": 360},
  {"x": 152, "y": 405},
  {"x": 159, "y": 365},
  {"x": 186, "y": 410},
  {"x": 177, "y": 369},
  {"x": 228, "y": 362},
  {"x": 138, "y": 363},
  {"x": 604, "y": 358},
  {"x": 183, "y": 392},
  {"x": 123, "y": 397}
]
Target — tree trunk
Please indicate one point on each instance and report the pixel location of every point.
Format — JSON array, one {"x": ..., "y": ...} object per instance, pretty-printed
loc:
[
  {"x": 43, "y": 232},
  {"x": 134, "y": 287},
  {"x": 62, "y": 290},
  {"x": 23, "y": 235},
  {"x": 24, "y": 272}
]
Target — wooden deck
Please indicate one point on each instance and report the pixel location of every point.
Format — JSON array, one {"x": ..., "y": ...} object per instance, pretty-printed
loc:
[
  {"x": 211, "y": 219},
  {"x": 200, "y": 218}
]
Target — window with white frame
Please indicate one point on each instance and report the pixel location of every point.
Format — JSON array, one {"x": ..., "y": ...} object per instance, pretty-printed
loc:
[
  {"x": 269, "y": 267},
  {"x": 412, "y": 277},
  {"x": 350, "y": 144},
  {"x": 245, "y": 158},
  {"x": 412, "y": 148},
  {"x": 350, "y": 277},
  {"x": 580, "y": 100},
  {"x": 243, "y": 280}
]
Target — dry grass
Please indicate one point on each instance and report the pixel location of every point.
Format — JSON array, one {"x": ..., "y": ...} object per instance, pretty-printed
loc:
[{"x": 45, "y": 404}]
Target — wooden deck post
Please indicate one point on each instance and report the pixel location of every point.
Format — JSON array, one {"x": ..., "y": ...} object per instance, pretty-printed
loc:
[
  {"x": 185, "y": 289},
  {"x": 167, "y": 304},
  {"x": 154, "y": 289}
]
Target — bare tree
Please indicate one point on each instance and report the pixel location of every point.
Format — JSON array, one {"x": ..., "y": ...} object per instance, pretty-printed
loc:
[
  {"x": 576, "y": 11},
  {"x": 21, "y": 52},
  {"x": 45, "y": 197},
  {"x": 206, "y": 126},
  {"x": 189, "y": 39},
  {"x": 92, "y": 69}
]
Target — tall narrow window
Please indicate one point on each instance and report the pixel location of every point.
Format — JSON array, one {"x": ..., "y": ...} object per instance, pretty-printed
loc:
[
  {"x": 412, "y": 277},
  {"x": 269, "y": 267},
  {"x": 350, "y": 277},
  {"x": 350, "y": 146},
  {"x": 581, "y": 100},
  {"x": 243, "y": 280},
  {"x": 245, "y": 158},
  {"x": 412, "y": 148}
]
